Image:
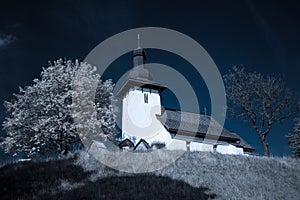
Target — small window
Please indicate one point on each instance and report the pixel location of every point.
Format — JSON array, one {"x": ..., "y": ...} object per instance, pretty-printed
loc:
[
  {"x": 145, "y": 98},
  {"x": 188, "y": 146}
]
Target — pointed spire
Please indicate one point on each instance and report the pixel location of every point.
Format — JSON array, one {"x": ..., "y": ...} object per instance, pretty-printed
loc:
[
  {"x": 139, "y": 59},
  {"x": 138, "y": 56},
  {"x": 139, "y": 41}
]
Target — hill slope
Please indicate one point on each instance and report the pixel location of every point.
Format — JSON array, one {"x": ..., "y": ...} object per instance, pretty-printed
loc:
[
  {"x": 62, "y": 179},
  {"x": 239, "y": 177},
  {"x": 227, "y": 176},
  {"x": 193, "y": 176}
]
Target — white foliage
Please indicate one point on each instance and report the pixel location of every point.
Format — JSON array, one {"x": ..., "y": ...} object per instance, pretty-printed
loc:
[{"x": 40, "y": 118}]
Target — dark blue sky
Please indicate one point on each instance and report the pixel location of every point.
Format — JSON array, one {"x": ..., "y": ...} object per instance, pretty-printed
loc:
[{"x": 261, "y": 35}]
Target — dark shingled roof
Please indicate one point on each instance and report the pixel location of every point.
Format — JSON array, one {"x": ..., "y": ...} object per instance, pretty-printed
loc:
[
  {"x": 140, "y": 143},
  {"x": 126, "y": 143},
  {"x": 140, "y": 72},
  {"x": 192, "y": 123}
]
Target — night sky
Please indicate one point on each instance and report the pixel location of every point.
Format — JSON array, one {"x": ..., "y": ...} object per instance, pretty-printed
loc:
[{"x": 262, "y": 36}]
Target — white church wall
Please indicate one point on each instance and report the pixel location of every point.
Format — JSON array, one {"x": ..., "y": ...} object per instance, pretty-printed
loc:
[
  {"x": 162, "y": 136},
  {"x": 197, "y": 146},
  {"x": 229, "y": 149},
  {"x": 140, "y": 107},
  {"x": 176, "y": 145}
]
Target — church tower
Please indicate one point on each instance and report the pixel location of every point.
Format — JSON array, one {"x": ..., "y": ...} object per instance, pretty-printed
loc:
[{"x": 141, "y": 101}]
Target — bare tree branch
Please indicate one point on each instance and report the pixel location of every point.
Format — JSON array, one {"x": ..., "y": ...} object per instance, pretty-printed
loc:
[{"x": 262, "y": 101}]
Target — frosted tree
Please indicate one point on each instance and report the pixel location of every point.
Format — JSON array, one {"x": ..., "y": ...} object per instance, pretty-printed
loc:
[
  {"x": 105, "y": 106},
  {"x": 41, "y": 117},
  {"x": 294, "y": 139},
  {"x": 93, "y": 111},
  {"x": 260, "y": 100}
]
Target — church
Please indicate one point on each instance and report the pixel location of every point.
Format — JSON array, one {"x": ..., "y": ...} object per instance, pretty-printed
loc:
[{"x": 147, "y": 125}]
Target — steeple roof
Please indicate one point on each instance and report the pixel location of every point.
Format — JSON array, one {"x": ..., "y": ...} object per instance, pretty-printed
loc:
[
  {"x": 139, "y": 75},
  {"x": 139, "y": 70}
]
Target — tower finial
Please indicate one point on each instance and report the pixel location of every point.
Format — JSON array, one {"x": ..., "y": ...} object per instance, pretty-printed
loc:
[{"x": 139, "y": 41}]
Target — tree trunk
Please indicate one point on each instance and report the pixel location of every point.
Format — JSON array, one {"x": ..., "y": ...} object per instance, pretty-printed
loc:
[
  {"x": 266, "y": 148},
  {"x": 265, "y": 144}
]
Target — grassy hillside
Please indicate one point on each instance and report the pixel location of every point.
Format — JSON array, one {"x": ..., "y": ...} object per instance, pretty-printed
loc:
[
  {"x": 193, "y": 176},
  {"x": 62, "y": 179},
  {"x": 239, "y": 177}
]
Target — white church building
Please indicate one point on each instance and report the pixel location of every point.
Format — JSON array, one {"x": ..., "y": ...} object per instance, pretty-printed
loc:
[{"x": 145, "y": 123}]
